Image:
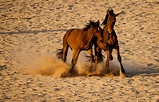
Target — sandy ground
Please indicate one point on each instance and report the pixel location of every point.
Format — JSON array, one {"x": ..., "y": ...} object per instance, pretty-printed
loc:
[{"x": 31, "y": 32}]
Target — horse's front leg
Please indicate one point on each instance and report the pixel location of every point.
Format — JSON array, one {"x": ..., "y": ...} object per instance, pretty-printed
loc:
[
  {"x": 98, "y": 55},
  {"x": 122, "y": 71},
  {"x": 97, "y": 51},
  {"x": 74, "y": 59},
  {"x": 90, "y": 51},
  {"x": 107, "y": 60}
]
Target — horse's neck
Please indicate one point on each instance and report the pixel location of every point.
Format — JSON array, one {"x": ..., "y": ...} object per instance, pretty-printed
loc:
[
  {"x": 105, "y": 33},
  {"x": 88, "y": 36},
  {"x": 107, "y": 36}
]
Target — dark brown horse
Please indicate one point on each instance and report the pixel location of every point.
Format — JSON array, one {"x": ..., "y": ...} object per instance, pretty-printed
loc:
[
  {"x": 110, "y": 40},
  {"x": 78, "y": 40}
]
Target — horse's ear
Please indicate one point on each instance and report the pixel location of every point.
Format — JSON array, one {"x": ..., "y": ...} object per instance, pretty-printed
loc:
[
  {"x": 98, "y": 22},
  {"x": 122, "y": 12},
  {"x": 108, "y": 12}
]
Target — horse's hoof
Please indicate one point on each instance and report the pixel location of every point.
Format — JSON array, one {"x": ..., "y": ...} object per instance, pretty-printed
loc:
[
  {"x": 107, "y": 70},
  {"x": 111, "y": 57},
  {"x": 100, "y": 59},
  {"x": 94, "y": 74},
  {"x": 90, "y": 74},
  {"x": 70, "y": 71},
  {"x": 122, "y": 74}
]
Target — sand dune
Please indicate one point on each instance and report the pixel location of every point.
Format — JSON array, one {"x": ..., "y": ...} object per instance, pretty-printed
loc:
[{"x": 31, "y": 32}]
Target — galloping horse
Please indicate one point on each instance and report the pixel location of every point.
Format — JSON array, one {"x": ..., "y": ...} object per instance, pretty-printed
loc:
[
  {"x": 78, "y": 40},
  {"x": 110, "y": 40}
]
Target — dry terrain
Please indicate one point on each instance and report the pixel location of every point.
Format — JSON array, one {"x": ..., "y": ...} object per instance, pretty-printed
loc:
[{"x": 31, "y": 31}]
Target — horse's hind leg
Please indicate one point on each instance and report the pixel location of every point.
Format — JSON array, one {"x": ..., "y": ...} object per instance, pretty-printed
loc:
[
  {"x": 111, "y": 57},
  {"x": 74, "y": 59},
  {"x": 65, "y": 50},
  {"x": 122, "y": 71}
]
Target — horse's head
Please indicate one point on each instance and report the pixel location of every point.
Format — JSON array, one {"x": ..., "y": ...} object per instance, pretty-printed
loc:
[
  {"x": 111, "y": 19},
  {"x": 97, "y": 31}
]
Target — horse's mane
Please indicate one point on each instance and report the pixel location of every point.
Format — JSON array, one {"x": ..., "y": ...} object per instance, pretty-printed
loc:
[
  {"x": 105, "y": 20},
  {"x": 91, "y": 23}
]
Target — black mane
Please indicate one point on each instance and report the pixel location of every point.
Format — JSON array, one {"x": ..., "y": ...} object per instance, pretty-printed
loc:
[
  {"x": 91, "y": 23},
  {"x": 105, "y": 20}
]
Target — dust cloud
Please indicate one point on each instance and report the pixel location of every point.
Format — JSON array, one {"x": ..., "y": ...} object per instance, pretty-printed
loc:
[{"x": 48, "y": 65}]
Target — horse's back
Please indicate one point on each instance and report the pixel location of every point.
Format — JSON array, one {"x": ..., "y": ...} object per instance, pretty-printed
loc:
[
  {"x": 73, "y": 37},
  {"x": 73, "y": 32}
]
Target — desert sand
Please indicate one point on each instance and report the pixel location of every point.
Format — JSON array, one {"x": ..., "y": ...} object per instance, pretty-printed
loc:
[{"x": 31, "y": 31}]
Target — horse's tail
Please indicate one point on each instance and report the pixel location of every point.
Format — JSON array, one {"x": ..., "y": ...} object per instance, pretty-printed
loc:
[{"x": 59, "y": 53}]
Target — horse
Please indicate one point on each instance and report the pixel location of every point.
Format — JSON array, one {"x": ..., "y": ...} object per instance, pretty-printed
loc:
[
  {"x": 110, "y": 41},
  {"x": 78, "y": 40}
]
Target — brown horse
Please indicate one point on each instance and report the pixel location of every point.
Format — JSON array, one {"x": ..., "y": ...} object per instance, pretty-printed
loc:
[
  {"x": 110, "y": 40},
  {"x": 78, "y": 40}
]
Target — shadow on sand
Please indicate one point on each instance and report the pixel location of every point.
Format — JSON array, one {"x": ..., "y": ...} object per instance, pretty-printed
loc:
[
  {"x": 143, "y": 71},
  {"x": 32, "y": 31}
]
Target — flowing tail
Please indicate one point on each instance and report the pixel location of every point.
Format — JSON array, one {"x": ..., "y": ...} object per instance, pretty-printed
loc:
[{"x": 59, "y": 54}]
